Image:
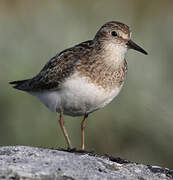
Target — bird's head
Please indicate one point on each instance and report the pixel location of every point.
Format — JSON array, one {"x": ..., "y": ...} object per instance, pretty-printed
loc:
[{"x": 119, "y": 35}]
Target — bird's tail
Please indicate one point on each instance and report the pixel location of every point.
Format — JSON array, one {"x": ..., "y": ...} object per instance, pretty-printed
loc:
[{"x": 21, "y": 85}]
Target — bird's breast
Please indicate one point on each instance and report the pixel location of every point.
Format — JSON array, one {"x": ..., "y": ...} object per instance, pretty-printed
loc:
[{"x": 80, "y": 96}]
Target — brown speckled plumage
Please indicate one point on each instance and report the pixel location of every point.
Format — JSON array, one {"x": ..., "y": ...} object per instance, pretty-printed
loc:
[
  {"x": 57, "y": 69},
  {"x": 87, "y": 58},
  {"x": 102, "y": 74},
  {"x": 84, "y": 78}
]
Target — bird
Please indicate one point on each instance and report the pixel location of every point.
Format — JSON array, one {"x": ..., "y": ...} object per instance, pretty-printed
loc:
[{"x": 84, "y": 78}]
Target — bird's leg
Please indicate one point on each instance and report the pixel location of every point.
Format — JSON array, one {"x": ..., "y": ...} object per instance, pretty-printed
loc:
[
  {"x": 61, "y": 122},
  {"x": 83, "y": 124}
]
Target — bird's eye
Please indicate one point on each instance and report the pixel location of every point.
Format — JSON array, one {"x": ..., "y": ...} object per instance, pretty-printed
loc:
[{"x": 114, "y": 34}]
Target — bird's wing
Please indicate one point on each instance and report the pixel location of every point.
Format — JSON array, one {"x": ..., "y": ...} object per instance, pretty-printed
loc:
[{"x": 56, "y": 70}]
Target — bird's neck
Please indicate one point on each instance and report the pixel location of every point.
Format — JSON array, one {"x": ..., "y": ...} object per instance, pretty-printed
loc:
[
  {"x": 105, "y": 67},
  {"x": 112, "y": 53}
]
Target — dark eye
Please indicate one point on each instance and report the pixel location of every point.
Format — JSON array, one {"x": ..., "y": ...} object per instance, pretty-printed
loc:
[{"x": 114, "y": 33}]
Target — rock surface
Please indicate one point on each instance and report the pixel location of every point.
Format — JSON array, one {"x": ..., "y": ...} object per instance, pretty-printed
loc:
[{"x": 19, "y": 162}]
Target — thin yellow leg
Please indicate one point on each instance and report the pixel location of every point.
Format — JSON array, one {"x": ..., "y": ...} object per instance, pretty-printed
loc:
[
  {"x": 83, "y": 124},
  {"x": 61, "y": 122}
]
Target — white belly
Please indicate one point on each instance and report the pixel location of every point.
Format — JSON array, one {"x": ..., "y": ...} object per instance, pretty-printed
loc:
[{"x": 77, "y": 97}]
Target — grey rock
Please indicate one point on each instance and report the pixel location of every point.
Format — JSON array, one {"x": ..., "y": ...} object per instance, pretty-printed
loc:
[{"x": 20, "y": 162}]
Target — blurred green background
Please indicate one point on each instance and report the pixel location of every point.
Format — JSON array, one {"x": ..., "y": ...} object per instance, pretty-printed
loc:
[{"x": 138, "y": 125}]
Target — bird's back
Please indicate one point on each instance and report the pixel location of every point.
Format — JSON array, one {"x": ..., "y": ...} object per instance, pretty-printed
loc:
[{"x": 56, "y": 71}]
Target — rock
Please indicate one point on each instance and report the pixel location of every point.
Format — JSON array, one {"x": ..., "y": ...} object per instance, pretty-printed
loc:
[{"x": 19, "y": 162}]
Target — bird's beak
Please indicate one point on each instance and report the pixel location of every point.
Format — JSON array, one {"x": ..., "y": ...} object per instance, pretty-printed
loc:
[{"x": 131, "y": 45}]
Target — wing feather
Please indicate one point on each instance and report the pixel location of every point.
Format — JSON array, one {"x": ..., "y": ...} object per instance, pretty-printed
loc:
[{"x": 56, "y": 70}]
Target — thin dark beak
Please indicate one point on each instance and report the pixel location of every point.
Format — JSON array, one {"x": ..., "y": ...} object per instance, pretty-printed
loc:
[{"x": 132, "y": 45}]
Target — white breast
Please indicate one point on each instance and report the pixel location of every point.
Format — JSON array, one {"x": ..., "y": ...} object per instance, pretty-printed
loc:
[{"x": 77, "y": 97}]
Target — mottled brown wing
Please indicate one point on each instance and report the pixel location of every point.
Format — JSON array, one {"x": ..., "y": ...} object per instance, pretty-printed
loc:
[{"x": 56, "y": 70}]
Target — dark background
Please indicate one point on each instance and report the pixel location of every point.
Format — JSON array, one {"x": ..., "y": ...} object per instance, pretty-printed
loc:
[{"x": 138, "y": 124}]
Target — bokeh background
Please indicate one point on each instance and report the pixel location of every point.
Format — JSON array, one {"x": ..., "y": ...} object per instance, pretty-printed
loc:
[{"x": 138, "y": 125}]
